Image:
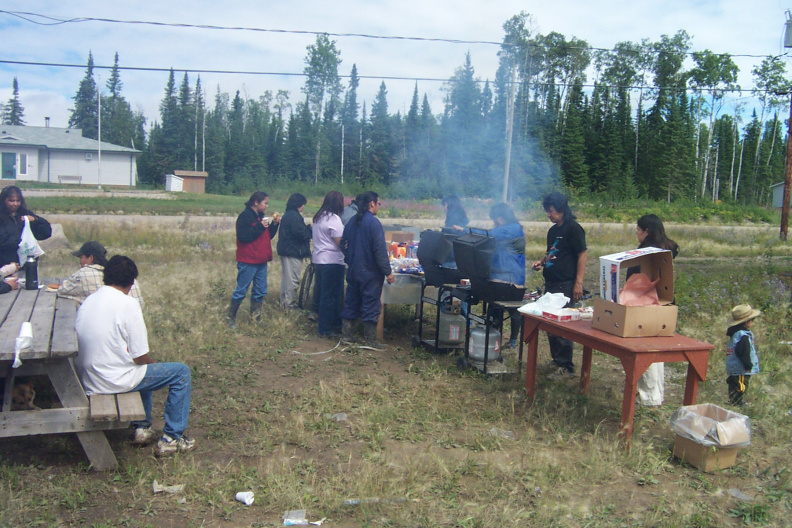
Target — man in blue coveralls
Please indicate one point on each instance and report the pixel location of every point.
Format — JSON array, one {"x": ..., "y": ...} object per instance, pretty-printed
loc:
[{"x": 367, "y": 257}]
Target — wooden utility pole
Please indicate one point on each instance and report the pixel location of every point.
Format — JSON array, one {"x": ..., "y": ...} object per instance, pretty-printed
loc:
[
  {"x": 509, "y": 127},
  {"x": 787, "y": 178}
]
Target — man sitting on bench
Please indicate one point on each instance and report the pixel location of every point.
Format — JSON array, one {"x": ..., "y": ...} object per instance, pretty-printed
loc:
[{"x": 114, "y": 357}]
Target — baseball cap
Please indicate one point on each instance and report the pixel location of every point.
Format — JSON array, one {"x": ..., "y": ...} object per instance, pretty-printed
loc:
[{"x": 91, "y": 249}]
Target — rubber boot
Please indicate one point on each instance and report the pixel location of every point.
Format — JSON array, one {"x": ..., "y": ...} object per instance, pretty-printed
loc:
[
  {"x": 255, "y": 312},
  {"x": 347, "y": 335},
  {"x": 370, "y": 332},
  {"x": 233, "y": 308}
]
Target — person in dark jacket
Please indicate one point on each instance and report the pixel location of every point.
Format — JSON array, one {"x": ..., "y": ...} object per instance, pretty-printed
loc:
[
  {"x": 12, "y": 213},
  {"x": 564, "y": 267},
  {"x": 294, "y": 244},
  {"x": 456, "y": 218},
  {"x": 254, "y": 235},
  {"x": 367, "y": 257},
  {"x": 742, "y": 359}
]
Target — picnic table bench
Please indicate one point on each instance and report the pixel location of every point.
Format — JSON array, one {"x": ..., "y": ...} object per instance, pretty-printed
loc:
[{"x": 54, "y": 345}]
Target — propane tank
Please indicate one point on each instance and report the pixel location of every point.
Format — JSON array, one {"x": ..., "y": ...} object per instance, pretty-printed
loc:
[{"x": 476, "y": 344}]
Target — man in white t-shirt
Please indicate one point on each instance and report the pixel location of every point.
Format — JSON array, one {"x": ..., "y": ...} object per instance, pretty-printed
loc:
[{"x": 114, "y": 357}]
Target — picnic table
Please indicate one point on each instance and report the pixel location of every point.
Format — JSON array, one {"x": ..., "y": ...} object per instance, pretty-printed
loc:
[
  {"x": 54, "y": 344},
  {"x": 635, "y": 354}
]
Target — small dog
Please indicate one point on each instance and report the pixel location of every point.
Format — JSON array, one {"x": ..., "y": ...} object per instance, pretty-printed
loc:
[{"x": 22, "y": 396}]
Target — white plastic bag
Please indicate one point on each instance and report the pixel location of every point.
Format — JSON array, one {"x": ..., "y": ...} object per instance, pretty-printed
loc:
[
  {"x": 28, "y": 245},
  {"x": 24, "y": 341},
  {"x": 548, "y": 301}
]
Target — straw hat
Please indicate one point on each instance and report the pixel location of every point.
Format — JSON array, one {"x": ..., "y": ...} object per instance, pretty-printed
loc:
[{"x": 742, "y": 313}]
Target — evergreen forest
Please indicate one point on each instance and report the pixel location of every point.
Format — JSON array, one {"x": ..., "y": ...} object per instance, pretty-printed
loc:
[{"x": 650, "y": 120}]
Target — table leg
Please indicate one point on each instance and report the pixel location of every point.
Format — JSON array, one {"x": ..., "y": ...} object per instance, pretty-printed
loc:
[
  {"x": 532, "y": 338},
  {"x": 691, "y": 386},
  {"x": 585, "y": 370},
  {"x": 71, "y": 394},
  {"x": 628, "y": 403}
]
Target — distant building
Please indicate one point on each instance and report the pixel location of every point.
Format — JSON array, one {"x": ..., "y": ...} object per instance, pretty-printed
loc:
[
  {"x": 778, "y": 195},
  {"x": 62, "y": 155},
  {"x": 192, "y": 181}
]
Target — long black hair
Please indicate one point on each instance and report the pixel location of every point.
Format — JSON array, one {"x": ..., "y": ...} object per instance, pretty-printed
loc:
[
  {"x": 560, "y": 203},
  {"x": 455, "y": 215},
  {"x": 295, "y": 201},
  {"x": 655, "y": 234},
  {"x": 333, "y": 204},
  {"x": 7, "y": 192},
  {"x": 502, "y": 210},
  {"x": 255, "y": 198},
  {"x": 363, "y": 204}
]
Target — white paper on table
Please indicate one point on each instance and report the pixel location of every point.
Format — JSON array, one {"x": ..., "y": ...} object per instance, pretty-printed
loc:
[
  {"x": 548, "y": 301},
  {"x": 25, "y": 340}
]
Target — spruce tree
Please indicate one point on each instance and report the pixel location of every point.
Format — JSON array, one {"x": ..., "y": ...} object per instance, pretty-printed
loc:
[
  {"x": 13, "y": 113},
  {"x": 85, "y": 114}
]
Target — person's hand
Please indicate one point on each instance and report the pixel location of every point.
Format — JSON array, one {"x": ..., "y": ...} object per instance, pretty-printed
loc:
[
  {"x": 276, "y": 218},
  {"x": 8, "y": 269},
  {"x": 390, "y": 278},
  {"x": 13, "y": 282},
  {"x": 31, "y": 218},
  {"x": 577, "y": 292},
  {"x": 537, "y": 265},
  {"x": 264, "y": 222}
]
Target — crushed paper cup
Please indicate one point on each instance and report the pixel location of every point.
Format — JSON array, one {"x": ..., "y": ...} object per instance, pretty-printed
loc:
[
  {"x": 245, "y": 497},
  {"x": 25, "y": 340},
  {"x": 159, "y": 488}
]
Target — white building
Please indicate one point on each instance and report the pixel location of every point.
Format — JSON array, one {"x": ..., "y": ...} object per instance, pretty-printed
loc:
[{"x": 62, "y": 155}]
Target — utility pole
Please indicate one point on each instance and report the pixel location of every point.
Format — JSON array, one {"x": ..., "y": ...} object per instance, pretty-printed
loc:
[
  {"x": 509, "y": 128},
  {"x": 788, "y": 171},
  {"x": 99, "y": 132}
]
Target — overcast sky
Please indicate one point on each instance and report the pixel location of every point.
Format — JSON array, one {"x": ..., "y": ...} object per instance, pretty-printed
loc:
[{"x": 739, "y": 27}]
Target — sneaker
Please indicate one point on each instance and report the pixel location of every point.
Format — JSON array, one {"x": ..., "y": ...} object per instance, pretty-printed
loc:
[
  {"x": 562, "y": 373},
  {"x": 167, "y": 445},
  {"x": 513, "y": 343},
  {"x": 144, "y": 436}
]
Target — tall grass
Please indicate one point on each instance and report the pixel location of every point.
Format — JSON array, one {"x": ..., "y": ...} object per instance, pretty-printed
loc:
[{"x": 416, "y": 448}]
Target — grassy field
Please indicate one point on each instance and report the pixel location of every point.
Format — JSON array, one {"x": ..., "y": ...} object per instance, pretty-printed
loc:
[{"x": 422, "y": 443}]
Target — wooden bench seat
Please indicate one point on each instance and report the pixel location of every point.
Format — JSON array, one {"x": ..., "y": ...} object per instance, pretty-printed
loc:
[
  {"x": 126, "y": 407},
  {"x": 69, "y": 178}
]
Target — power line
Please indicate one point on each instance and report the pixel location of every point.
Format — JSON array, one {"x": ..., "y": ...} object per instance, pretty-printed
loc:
[
  {"x": 52, "y": 21},
  {"x": 374, "y": 77}
]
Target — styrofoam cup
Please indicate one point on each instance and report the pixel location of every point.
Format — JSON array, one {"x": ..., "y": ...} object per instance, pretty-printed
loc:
[
  {"x": 26, "y": 330},
  {"x": 245, "y": 497}
]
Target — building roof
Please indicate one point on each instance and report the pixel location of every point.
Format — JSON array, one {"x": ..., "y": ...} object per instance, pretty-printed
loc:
[
  {"x": 54, "y": 138},
  {"x": 190, "y": 174}
]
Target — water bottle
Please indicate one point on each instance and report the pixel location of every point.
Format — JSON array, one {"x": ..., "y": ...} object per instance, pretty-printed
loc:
[{"x": 31, "y": 274}]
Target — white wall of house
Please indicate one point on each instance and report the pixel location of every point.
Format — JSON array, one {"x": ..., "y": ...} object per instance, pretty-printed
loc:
[
  {"x": 118, "y": 168},
  {"x": 27, "y": 161}
]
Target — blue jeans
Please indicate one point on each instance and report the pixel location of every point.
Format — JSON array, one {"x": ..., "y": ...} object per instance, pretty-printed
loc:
[
  {"x": 363, "y": 299},
  {"x": 329, "y": 281},
  {"x": 177, "y": 405},
  {"x": 247, "y": 273}
]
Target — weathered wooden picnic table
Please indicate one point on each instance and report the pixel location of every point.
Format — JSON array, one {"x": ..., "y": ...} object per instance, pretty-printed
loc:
[{"x": 54, "y": 344}]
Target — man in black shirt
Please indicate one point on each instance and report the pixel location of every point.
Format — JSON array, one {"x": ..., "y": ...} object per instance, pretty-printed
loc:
[{"x": 563, "y": 266}]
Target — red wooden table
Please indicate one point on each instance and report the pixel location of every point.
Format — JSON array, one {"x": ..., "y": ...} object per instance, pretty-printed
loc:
[{"x": 635, "y": 354}]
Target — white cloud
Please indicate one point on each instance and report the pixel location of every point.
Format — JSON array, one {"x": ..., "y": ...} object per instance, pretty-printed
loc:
[{"x": 730, "y": 26}]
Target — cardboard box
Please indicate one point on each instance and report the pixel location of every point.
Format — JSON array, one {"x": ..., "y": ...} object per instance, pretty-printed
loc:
[
  {"x": 706, "y": 458},
  {"x": 708, "y": 436},
  {"x": 398, "y": 237},
  {"x": 636, "y": 321},
  {"x": 562, "y": 315}
]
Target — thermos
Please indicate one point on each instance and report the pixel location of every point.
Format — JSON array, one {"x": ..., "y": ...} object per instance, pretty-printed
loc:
[{"x": 31, "y": 274}]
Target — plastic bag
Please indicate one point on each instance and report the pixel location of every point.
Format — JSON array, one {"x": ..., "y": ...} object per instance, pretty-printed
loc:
[
  {"x": 547, "y": 302},
  {"x": 24, "y": 341},
  {"x": 712, "y": 426},
  {"x": 639, "y": 291},
  {"x": 28, "y": 245}
]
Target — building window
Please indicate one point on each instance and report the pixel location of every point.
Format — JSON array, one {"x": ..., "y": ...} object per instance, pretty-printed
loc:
[{"x": 22, "y": 164}]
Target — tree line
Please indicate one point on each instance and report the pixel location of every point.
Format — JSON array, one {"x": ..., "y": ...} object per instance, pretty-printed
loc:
[{"x": 635, "y": 121}]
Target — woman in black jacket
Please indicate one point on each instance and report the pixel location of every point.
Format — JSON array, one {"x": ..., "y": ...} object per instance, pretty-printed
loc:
[
  {"x": 294, "y": 244},
  {"x": 12, "y": 213}
]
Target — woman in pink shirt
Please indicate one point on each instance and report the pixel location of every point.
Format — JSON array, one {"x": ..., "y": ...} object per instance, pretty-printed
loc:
[{"x": 328, "y": 261}]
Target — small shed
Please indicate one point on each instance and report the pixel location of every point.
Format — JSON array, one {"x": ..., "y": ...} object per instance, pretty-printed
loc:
[
  {"x": 193, "y": 181},
  {"x": 173, "y": 183}
]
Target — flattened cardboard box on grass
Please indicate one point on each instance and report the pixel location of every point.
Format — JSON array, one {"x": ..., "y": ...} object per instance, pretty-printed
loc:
[
  {"x": 636, "y": 321},
  {"x": 708, "y": 436}
]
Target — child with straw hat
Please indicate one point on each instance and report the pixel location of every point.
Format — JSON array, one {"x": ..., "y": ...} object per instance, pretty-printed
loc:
[{"x": 742, "y": 360}]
